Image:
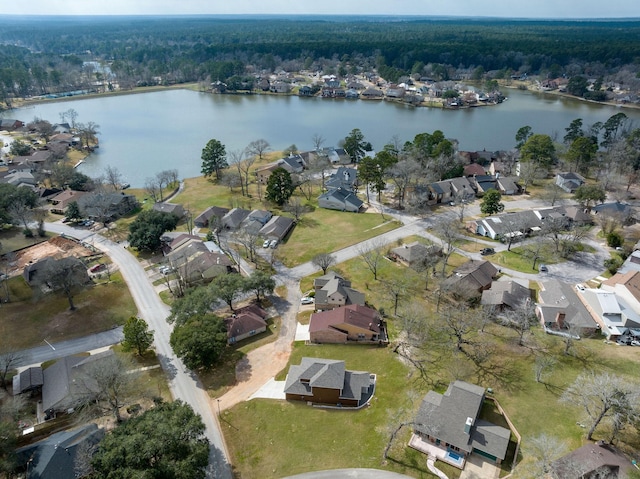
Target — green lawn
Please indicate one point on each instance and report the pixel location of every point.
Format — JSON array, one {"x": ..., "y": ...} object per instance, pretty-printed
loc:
[
  {"x": 31, "y": 318},
  {"x": 327, "y": 230},
  {"x": 12, "y": 239}
]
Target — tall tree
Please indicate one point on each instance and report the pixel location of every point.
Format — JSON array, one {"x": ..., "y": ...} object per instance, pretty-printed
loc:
[
  {"x": 588, "y": 195},
  {"x": 227, "y": 288},
  {"x": 148, "y": 227},
  {"x": 522, "y": 135},
  {"x": 259, "y": 283},
  {"x": 166, "y": 441},
  {"x": 279, "y": 186},
  {"x": 372, "y": 253},
  {"x": 581, "y": 154},
  {"x": 200, "y": 341},
  {"x": 355, "y": 145},
  {"x": 214, "y": 158},
  {"x": 491, "y": 202},
  {"x": 324, "y": 261},
  {"x": 258, "y": 148},
  {"x": 599, "y": 395},
  {"x": 66, "y": 274},
  {"x": 137, "y": 335}
]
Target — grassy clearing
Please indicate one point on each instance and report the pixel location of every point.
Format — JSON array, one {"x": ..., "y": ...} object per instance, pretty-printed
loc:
[
  {"x": 12, "y": 239},
  {"x": 35, "y": 317},
  {"x": 326, "y": 230}
]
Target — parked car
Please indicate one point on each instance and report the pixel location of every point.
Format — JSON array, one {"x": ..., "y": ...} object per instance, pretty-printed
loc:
[
  {"x": 543, "y": 268},
  {"x": 273, "y": 243},
  {"x": 624, "y": 342},
  {"x": 266, "y": 243},
  {"x": 165, "y": 269},
  {"x": 486, "y": 251},
  {"x": 635, "y": 342},
  {"x": 306, "y": 300},
  {"x": 97, "y": 267},
  {"x": 581, "y": 287}
]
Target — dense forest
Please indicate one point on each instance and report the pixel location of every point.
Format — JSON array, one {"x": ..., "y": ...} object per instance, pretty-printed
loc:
[{"x": 47, "y": 54}]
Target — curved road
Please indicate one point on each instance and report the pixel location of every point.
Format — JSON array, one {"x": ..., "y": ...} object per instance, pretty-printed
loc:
[{"x": 183, "y": 384}]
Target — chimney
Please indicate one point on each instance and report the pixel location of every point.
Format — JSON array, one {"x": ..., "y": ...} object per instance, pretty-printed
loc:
[{"x": 467, "y": 425}]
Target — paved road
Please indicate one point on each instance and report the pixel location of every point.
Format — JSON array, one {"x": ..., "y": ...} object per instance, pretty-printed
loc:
[
  {"x": 183, "y": 384},
  {"x": 67, "y": 348}
]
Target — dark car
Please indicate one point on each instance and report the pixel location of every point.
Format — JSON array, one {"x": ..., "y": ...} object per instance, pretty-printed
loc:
[
  {"x": 543, "y": 268},
  {"x": 486, "y": 251}
]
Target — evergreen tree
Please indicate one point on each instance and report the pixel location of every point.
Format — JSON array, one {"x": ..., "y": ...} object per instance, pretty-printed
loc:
[{"x": 279, "y": 186}]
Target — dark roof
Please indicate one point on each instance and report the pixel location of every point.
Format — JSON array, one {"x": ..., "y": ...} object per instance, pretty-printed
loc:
[
  {"x": 246, "y": 319},
  {"x": 234, "y": 217},
  {"x": 509, "y": 293},
  {"x": 328, "y": 374},
  {"x": 585, "y": 461},
  {"x": 473, "y": 275},
  {"x": 27, "y": 380},
  {"x": 445, "y": 416},
  {"x": 277, "y": 227},
  {"x": 55, "y": 456},
  {"x": 170, "y": 208},
  {"x": 556, "y": 297},
  {"x": 343, "y": 196},
  {"x": 320, "y": 281},
  {"x": 415, "y": 251},
  {"x": 337, "y": 285},
  {"x": 205, "y": 217}
]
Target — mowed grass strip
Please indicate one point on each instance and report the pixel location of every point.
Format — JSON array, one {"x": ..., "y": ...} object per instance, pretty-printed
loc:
[{"x": 100, "y": 307}]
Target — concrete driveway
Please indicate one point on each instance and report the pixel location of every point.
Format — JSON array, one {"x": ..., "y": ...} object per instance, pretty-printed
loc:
[
  {"x": 302, "y": 332},
  {"x": 477, "y": 468},
  {"x": 271, "y": 390}
]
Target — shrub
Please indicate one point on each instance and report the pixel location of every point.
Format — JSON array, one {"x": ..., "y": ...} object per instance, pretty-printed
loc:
[{"x": 615, "y": 239}]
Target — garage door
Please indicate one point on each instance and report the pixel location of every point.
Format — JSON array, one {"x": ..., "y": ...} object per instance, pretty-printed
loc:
[{"x": 485, "y": 454}]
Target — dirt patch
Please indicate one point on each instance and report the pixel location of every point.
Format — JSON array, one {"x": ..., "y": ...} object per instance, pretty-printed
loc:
[{"x": 56, "y": 247}]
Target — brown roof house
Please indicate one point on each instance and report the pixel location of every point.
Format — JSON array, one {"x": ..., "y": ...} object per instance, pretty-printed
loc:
[
  {"x": 346, "y": 324},
  {"x": 472, "y": 277},
  {"x": 449, "y": 424},
  {"x": 413, "y": 253},
  {"x": 245, "y": 322},
  {"x": 336, "y": 292},
  {"x": 592, "y": 461},
  {"x": 505, "y": 294},
  {"x": 195, "y": 261},
  {"x": 62, "y": 200},
  {"x": 211, "y": 217},
  {"x": 326, "y": 381}
]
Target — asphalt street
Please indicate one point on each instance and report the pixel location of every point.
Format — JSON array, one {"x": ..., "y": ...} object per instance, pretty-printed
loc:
[{"x": 183, "y": 383}]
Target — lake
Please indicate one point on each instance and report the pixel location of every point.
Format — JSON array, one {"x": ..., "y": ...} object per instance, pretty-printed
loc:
[{"x": 141, "y": 134}]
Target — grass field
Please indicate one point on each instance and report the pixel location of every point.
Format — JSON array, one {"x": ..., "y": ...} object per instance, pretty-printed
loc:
[{"x": 32, "y": 318}]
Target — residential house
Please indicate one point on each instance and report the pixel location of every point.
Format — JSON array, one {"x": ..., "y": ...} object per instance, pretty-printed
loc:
[
  {"x": 395, "y": 91},
  {"x": 484, "y": 183},
  {"x": 264, "y": 172},
  {"x": 341, "y": 200},
  {"x": 505, "y": 294},
  {"x": 593, "y": 461},
  {"x": 255, "y": 221},
  {"x": 234, "y": 218},
  {"x": 211, "y": 217},
  {"x": 614, "y": 316},
  {"x": 327, "y": 381},
  {"x": 35, "y": 273},
  {"x": 28, "y": 380},
  {"x": 108, "y": 206},
  {"x": 626, "y": 286},
  {"x": 292, "y": 163},
  {"x": 67, "y": 384},
  {"x": 170, "y": 208},
  {"x": 321, "y": 281},
  {"x": 412, "y": 254},
  {"x": 278, "y": 227},
  {"x": 280, "y": 87},
  {"x": 62, "y": 128},
  {"x": 305, "y": 90},
  {"x": 352, "y": 94},
  {"x": 372, "y": 94},
  {"x": 451, "y": 422},
  {"x": 560, "y": 309},
  {"x": 20, "y": 178},
  {"x": 343, "y": 177},
  {"x": 338, "y": 156},
  {"x": 61, "y": 201},
  {"x": 507, "y": 185},
  {"x": 55, "y": 457},
  {"x": 347, "y": 324},
  {"x": 337, "y": 292},
  {"x": 245, "y": 322},
  {"x": 472, "y": 277},
  {"x": 624, "y": 212},
  {"x": 473, "y": 169},
  {"x": 195, "y": 261},
  {"x": 10, "y": 124},
  {"x": 569, "y": 181}
]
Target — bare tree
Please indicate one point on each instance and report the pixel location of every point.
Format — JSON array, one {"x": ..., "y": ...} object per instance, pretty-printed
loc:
[
  {"x": 244, "y": 167},
  {"x": 427, "y": 266},
  {"x": 372, "y": 253},
  {"x": 543, "y": 363},
  {"x": 324, "y": 261},
  {"x": 258, "y": 148},
  {"x": 520, "y": 319},
  {"x": 153, "y": 189},
  {"x": 113, "y": 177},
  {"x": 317, "y": 140},
  {"x": 396, "y": 288},
  {"x": 108, "y": 383},
  {"x": 249, "y": 239},
  {"x": 9, "y": 359},
  {"x": 231, "y": 179},
  {"x": 447, "y": 230},
  {"x": 296, "y": 208},
  {"x": 402, "y": 174},
  {"x": 66, "y": 274},
  {"x": 600, "y": 395},
  {"x": 235, "y": 158},
  {"x": 544, "y": 450},
  {"x": 462, "y": 198}
]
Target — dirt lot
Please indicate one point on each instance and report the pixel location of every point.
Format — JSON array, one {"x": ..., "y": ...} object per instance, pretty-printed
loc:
[{"x": 57, "y": 247}]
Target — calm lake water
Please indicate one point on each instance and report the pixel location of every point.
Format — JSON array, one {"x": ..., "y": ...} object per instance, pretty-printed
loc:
[{"x": 142, "y": 134}]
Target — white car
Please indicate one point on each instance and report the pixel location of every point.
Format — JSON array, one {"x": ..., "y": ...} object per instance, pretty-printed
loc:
[
  {"x": 306, "y": 300},
  {"x": 273, "y": 243},
  {"x": 266, "y": 243}
]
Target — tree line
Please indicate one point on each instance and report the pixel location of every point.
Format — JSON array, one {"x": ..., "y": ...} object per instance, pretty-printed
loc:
[{"x": 55, "y": 57}]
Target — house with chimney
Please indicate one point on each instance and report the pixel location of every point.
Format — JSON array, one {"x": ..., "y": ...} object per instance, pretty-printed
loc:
[
  {"x": 449, "y": 427},
  {"x": 347, "y": 324}
]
